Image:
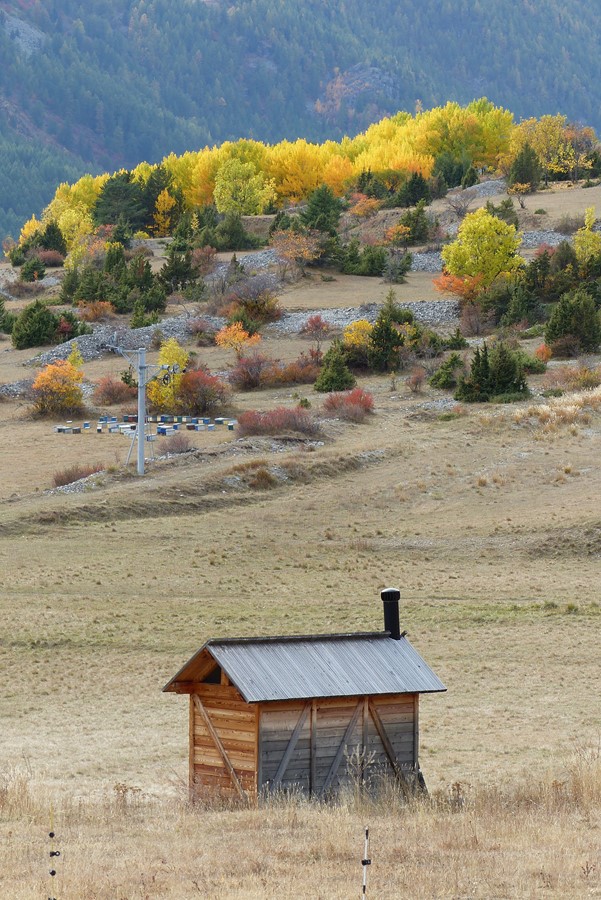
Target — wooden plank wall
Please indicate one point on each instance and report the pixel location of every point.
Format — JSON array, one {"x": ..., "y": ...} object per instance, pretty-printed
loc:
[
  {"x": 235, "y": 723},
  {"x": 277, "y": 724},
  {"x": 323, "y": 731},
  {"x": 398, "y": 716}
]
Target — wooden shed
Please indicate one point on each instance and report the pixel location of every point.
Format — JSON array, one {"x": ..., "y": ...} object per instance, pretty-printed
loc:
[{"x": 281, "y": 712}]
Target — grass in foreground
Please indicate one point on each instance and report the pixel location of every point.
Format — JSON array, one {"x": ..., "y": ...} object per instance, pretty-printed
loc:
[{"x": 527, "y": 838}]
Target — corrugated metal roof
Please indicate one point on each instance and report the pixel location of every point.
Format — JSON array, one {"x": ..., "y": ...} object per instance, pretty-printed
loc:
[{"x": 321, "y": 666}]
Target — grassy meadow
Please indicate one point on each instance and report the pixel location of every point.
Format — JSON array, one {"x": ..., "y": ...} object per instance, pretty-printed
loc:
[{"x": 488, "y": 521}]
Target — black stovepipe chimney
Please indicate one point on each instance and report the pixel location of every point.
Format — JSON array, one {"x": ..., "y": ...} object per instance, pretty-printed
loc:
[{"x": 390, "y": 599}]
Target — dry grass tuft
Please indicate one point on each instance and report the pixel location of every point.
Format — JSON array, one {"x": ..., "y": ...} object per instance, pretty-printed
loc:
[
  {"x": 557, "y": 412},
  {"x": 76, "y": 473}
]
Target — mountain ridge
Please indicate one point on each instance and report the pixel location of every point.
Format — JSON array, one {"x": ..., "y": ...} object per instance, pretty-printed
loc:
[{"x": 147, "y": 77}]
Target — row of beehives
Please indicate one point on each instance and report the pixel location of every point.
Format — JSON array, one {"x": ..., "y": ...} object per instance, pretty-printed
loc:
[{"x": 165, "y": 425}]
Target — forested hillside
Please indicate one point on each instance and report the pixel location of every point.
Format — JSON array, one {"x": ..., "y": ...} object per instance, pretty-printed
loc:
[{"x": 85, "y": 87}]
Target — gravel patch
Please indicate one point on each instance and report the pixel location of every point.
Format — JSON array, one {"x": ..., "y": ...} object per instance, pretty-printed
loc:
[
  {"x": 440, "y": 312},
  {"x": 16, "y": 389},
  {"x": 533, "y": 239},
  {"x": 95, "y": 345},
  {"x": 484, "y": 189},
  {"x": 427, "y": 262}
]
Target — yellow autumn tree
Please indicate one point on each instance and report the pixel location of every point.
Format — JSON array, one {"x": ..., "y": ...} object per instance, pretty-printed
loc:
[
  {"x": 163, "y": 213},
  {"x": 297, "y": 247},
  {"x": 587, "y": 243},
  {"x": 234, "y": 337},
  {"x": 241, "y": 189},
  {"x": 358, "y": 334},
  {"x": 163, "y": 390},
  {"x": 296, "y": 168},
  {"x": 31, "y": 227},
  {"x": 485, "y": 246},
  {"x": 56, "y": 389}
]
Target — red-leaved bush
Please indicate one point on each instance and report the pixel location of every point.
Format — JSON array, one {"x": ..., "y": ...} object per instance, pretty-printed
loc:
[
  {"x": 201, "y": 393},
  {"x": 277, "y": 421},
  {"x": 257, "y": 370},
  {"x": 302, "y": 370},
  {"x": 354, "y": 406},
  {"x": 111, "y": 390}
]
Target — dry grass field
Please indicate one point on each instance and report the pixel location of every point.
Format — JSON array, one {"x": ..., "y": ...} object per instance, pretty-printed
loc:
[{"x": 488, "y": 521}]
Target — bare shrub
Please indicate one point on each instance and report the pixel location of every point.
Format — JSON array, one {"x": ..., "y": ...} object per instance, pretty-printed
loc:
[
  {"x": 75, "y": 473},
  {"x": 277, "y": 421},
  {"x": 569, "y": 223},
  {"x": 565, "y": 347},
  {"x": 20, "y": 289},
  {"x": 204, "y": 260},
  {"x": 52, "y": 259},
  {"x": 248, "y": 372},
  {"x": 459, "y": 204},
  {"x": 178, "y": 443},
  {"x": 415, "y": 380},
  {"x": 473, "y": 320},
  {"x": 203, "y": 331},
  {"x": 110, "y": 390}
]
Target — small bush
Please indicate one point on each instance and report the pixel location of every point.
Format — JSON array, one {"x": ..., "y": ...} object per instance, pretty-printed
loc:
[
  {"x": 544, "y": 353},
  {"x": 110, "y": 391},
  {"x": 354, "y": 406},
  {"x": 262, "y": 479},
  {"x": 455, "y": 341},
  {"x": 303, "y": 370},
  {"x": 531, "y": 365},
  {"x": 75, "y": 473},
  {"x": 447, "y": 375},
  {"x": 277, "y": 421}
]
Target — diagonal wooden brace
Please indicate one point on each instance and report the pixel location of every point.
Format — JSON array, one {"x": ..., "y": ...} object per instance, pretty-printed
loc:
[{"x": 217, "y": 741}]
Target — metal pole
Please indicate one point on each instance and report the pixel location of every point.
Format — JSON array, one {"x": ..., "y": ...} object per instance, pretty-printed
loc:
[
  {"x": 141, "y": 409},
  {"x": 365, "y": 862}
]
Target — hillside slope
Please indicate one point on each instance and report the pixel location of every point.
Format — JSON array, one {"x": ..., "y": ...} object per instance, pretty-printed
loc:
[{"x": 91, "y": 86}]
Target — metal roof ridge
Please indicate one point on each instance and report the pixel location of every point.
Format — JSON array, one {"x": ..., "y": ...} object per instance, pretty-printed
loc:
[{"x": 297, "y": 637}]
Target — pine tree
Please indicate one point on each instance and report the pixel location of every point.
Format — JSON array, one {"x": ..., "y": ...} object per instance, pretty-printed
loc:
[
  {"x": 526, "y": 168},
  {"x": 335, "y": 375},
  {"x": 323, "y": 210}
]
